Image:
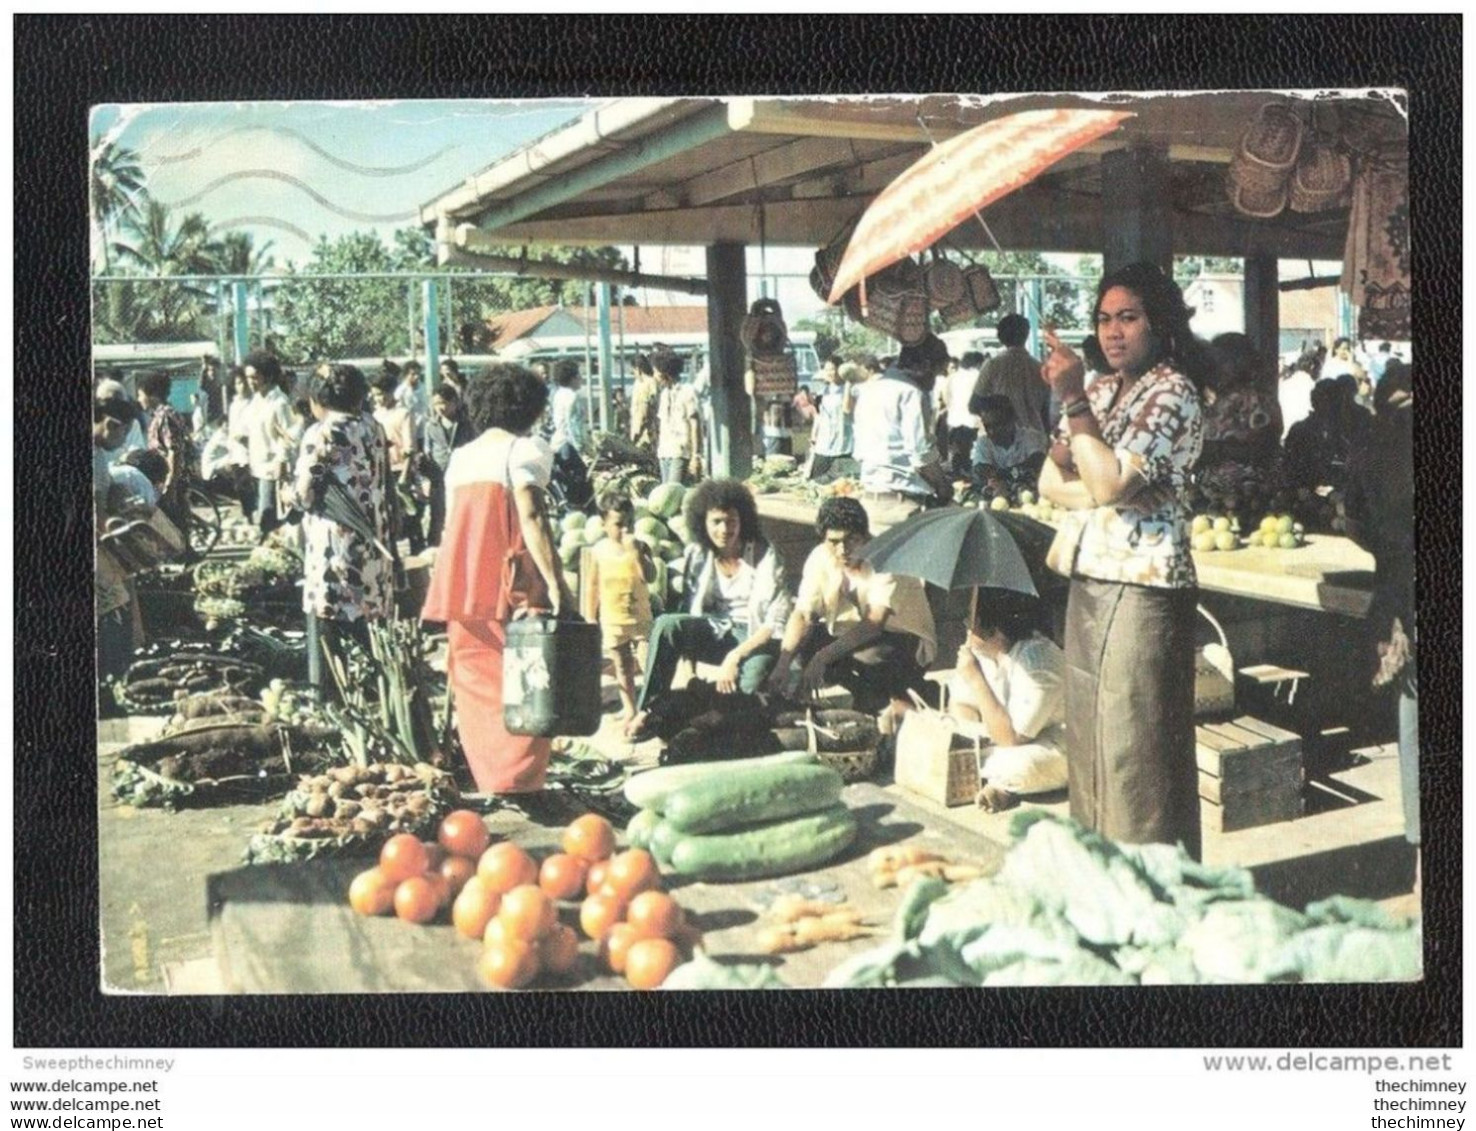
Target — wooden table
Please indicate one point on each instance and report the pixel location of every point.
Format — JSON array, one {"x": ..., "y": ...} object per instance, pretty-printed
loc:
[{"x": 289, "y": 929}]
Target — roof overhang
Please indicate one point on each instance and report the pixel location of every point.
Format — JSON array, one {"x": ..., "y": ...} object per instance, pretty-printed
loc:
[{"x": 792, "y": 171}]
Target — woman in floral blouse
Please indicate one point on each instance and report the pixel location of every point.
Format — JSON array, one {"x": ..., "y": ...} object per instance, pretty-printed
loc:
[
  {"x": 169, "y": 434},
  {"x": 348, "y": 575},
  {"x": 1122, "y": 460}
]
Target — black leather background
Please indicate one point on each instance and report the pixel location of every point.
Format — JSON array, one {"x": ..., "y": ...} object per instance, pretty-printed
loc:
[{"x": 64, "y": 64}]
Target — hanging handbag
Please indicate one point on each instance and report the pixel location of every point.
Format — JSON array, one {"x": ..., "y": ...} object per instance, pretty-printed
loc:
[
  {"x": 763, "y": 332},
  {"x": 828, "y": 259}
]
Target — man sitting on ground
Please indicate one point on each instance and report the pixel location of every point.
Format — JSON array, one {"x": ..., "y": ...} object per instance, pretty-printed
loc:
[{"x": 871, "y": 633}]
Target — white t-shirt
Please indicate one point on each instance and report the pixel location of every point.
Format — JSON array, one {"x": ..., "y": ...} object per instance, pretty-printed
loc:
[
  {"x": 892, "y": 436},
  {"x": 567, "y": 411},
  {"x": 1295, "y": 395},
  {"x": 734, "y": 593},
  {"x": 488, "y": 460},
  {"x": 675, "y": 406},
  {"x": 956, "y": 392},
  {"x": 840, "y": 598},
  {"x": 1030, "y": 683}
]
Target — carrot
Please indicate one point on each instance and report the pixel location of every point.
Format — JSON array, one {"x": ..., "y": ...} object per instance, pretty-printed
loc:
[{"x": 788, "y": 908}]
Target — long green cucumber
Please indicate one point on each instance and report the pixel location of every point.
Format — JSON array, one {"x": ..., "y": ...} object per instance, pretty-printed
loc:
[
  {"x": 664, "y": 838},
  {"x": 650, "y": 789},
  {"x": 751, "y": 795},
  {"x": 642, "y": 825},
  {"x": 775, "y": 849}
]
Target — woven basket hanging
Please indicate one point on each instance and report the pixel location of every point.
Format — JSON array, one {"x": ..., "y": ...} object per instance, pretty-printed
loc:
[
  {"x": 828, "y": 259},
  {"x": 893, "y": 302},
  {"x": 1321, "y": 180},
  {"x": 1268, "y": 151},
  {"x": 763, "y": 332}
]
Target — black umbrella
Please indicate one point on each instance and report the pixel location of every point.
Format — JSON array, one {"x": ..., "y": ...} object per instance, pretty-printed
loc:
[
  {"x": 953, "y": 548},
  {"x": 341, "y": 507}
]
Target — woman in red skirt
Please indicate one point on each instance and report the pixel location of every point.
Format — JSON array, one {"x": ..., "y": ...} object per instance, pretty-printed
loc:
[{"x": 497, "y": 503}]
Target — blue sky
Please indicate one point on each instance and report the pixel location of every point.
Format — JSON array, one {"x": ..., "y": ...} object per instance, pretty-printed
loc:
[{"x": 290, "y": 172}]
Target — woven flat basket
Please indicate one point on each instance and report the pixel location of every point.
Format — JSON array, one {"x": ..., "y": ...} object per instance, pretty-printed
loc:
[
  {"x": 1321, "y": 180},
  {"x": 1268, "y": 151},
  {"x": 1259, "y": 205}
]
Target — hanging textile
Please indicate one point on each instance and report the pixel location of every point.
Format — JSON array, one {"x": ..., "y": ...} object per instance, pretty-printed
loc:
[{"x": 1376, "y": 259}]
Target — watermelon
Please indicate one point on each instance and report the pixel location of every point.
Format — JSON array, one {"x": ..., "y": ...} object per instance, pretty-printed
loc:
[
  {"x": 670, "y": 550},
  {"x": 678, "y": 525},
  {"x": 572, "y": 521},
  {"x": 569, "y": 546},
  {"x": 651, "y": 525},
  {"x": 666, "y": 500}
]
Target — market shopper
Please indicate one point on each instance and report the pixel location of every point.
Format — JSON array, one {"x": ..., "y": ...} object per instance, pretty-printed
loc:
[
  {"x": 1122, "y": 463},
  {"x": 444, "y": 430},
  {"x": 871, "y": 633},
  {"x": 893, "y": 433},
  {"x": 411, "y": 394},
  {"x": 832, "y": 437},
  {"x": 496, "y": 489},
  {"x": 737, "y": 600},
  {"x": 1014, "y": 373},
  {"x": 169, "y": 435},
  {"x": 1010, "y": 679},
  {"x": 269, "y": 435},
  {"x": 111, "y": 417},
  {"x": 348, "y": 564},
  {"x": 1242, "y": 422},
  {"x": 1380, "y": 505},
  {"x": 399, "y": 431},
  {"x": 678, "y": 424},
  {"x": 960, "y": 423},
  {"x": 1319, "y": 447},
  {"x": 620, "y": 573},
  {"x": 570, "y": 435},
  {"x": 643, "y": 396}
]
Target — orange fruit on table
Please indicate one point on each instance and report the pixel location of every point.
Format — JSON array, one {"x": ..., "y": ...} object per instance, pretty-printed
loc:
[
  {"x": 463, "y": 833},
  {"x": 598, "y": 914},
  {"x": 441, "y": 886},
  {"x": 416, "y": 900},
  {"x": 474, "y": 908},
  {"x": 505, "y": 866},
  {"x": 509, "y": 964},
  {"x": 435, "y": 855},
  {"x": 528, "y": 913},
  {"x": 558, "y": 952},
  {"x": 631, "y": 872},
  {"x": 371, "y": 893},
  {"x": 591, "y": 837},
  {"x": 403, "y": 857},
  {"x": 655, "y": 915},
  {"x": 616, "y": 946},
  {"x": 594, "y": 879},
  {"x": 649, "y": 961},
  {"x": 457, "y": 870},
  {"x": 562, "y": 876}
]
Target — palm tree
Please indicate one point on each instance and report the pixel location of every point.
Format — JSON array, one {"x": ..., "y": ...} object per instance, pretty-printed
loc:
[
  {"x": 155, "y": 247},
  {"x": 236, "y": 253},
  {"x": 118, "y": 187}
]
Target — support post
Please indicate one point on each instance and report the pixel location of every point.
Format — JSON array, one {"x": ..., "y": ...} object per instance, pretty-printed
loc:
[
  {"x": 431, "y": 310},
  {"x": 1137, "y": 209},
  {"x": 242, "y": 322},
  {"x": 607, "y": 360},
  {"x": 730, "y": 421},
  {"x": 1263, "y": 304}
]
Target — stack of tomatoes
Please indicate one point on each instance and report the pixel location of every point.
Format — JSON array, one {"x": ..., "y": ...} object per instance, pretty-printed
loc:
[
  {"x": 504, "y": 897},
  {"x": 415, "y": 879}
]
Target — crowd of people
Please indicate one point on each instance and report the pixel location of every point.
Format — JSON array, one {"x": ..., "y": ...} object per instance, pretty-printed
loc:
[{"x": 1112, "y": 434}]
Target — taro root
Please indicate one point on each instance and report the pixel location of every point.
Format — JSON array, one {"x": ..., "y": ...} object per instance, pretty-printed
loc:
[
  {"x": 347, "y": 809},
  {"x": 317, "y": 805}
]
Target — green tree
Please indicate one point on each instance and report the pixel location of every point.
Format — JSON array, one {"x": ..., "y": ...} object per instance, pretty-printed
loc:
[
  {"x": 236, "y": 253},
  {"x": 118, "y": 188},
  {"x": 343, "y": 317},
  {"x": 161, "y": 305}
]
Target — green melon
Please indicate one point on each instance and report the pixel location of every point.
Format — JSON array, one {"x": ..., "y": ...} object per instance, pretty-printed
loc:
[
  {"x": 666, "y": 500},
  {"x": 572, "y": 521}
]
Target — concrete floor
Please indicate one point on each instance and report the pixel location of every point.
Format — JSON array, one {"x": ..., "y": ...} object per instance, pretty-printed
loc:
[{"x": 153, "y": 863}]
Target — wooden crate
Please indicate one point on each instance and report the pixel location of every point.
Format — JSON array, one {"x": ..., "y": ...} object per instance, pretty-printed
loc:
[{"x": 1250, "y": 774}]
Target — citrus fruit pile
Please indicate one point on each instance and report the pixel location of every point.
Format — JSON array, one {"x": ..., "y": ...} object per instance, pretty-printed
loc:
[
  {"x": 1213, "y": 532},
  {"x": 1279, "y": 531}
]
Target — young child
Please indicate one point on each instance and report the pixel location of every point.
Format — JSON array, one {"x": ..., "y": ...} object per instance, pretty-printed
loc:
[{"x": 620, "y": 599}]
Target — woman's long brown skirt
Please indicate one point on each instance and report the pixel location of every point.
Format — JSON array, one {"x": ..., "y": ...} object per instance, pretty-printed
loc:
[{"x": 1130, "y": 712}]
